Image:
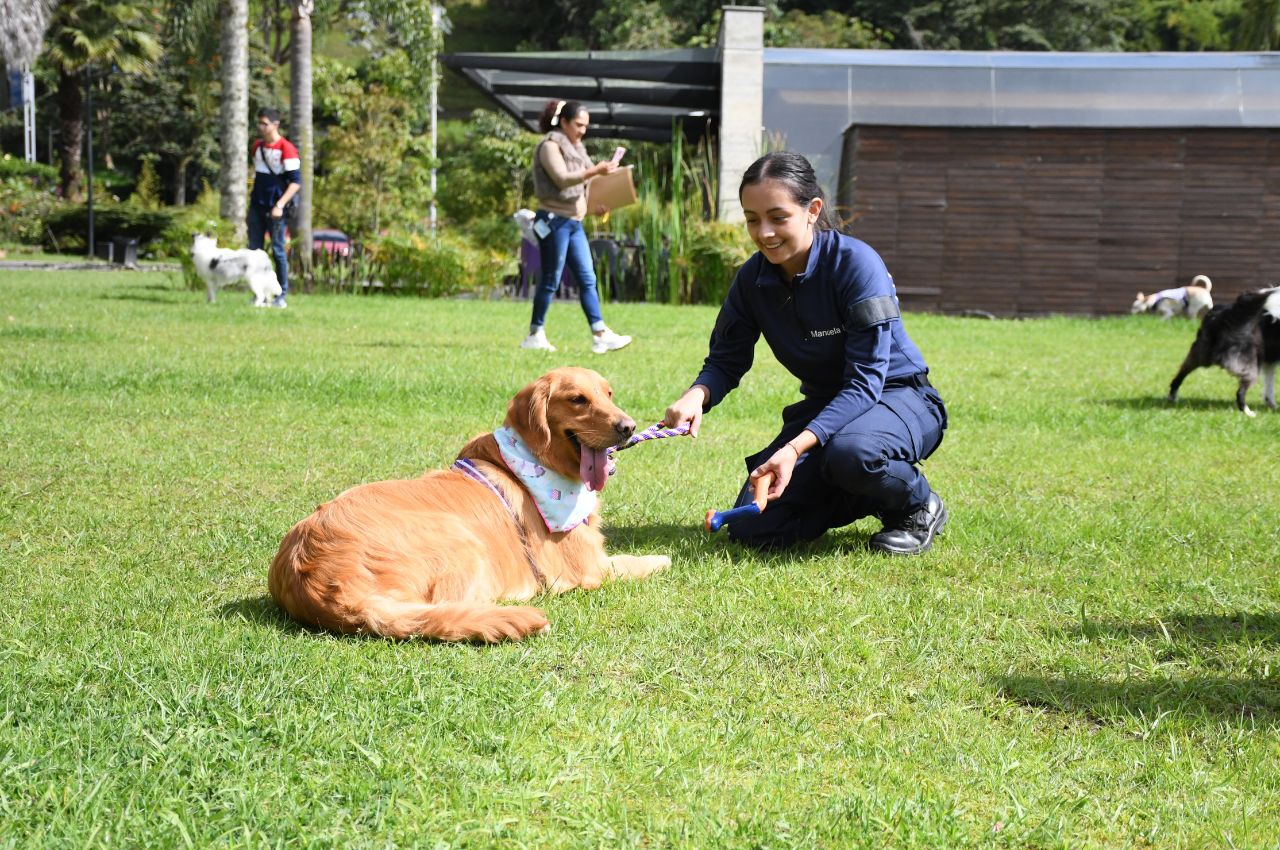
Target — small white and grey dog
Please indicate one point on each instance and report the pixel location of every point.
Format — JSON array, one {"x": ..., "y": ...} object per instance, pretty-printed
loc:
[
  {"x": 219, "y": 267},
  {"x": 1190, "y": 301}
]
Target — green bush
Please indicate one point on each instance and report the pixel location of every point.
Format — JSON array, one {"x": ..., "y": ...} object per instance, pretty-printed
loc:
[
  {"x": 146, "y": 193},
  {"x": 354, "y": 273},
  {"x": 45, "y": 175},
  {"x": 499, "y": 237},
  {"x": 69, "y": 226},
  {"x": 27, "y": 200},
  {"x": 199, "y": 217},
  {"x": 446, "y": 263},
  {"x": 713, "y": 252},
  {"x": 487, "y": 169}
]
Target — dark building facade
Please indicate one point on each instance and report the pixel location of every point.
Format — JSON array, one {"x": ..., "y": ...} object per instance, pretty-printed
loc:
[{"x": 1028, "y": 221}]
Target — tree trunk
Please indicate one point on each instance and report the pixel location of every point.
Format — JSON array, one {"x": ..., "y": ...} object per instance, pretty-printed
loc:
[
  {"x": 1259, "y": 25},
  {"x": 180, "y": 182},
  {"x": 71, "y": 121},
  {"x": 234, "y": 115},
  {"x": 300, "y": 97}
]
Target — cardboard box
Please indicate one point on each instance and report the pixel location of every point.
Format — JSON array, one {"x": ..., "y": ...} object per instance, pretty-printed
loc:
[{"x": 612, "y": 190}]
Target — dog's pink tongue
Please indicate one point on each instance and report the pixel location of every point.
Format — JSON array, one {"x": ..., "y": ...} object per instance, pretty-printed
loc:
[{"x": 595, "y": 468}]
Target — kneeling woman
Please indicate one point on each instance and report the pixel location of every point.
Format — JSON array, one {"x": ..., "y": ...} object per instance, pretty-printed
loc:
[{"x": 826, "y": 306}]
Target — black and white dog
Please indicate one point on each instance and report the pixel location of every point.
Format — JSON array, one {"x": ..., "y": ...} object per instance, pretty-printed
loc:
[
  {"x": 1243, "y": 338},
  {"x": 219, "y": 267}
]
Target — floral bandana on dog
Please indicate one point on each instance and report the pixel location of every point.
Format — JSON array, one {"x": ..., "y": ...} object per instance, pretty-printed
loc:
[{"x": 564, "y": 503}]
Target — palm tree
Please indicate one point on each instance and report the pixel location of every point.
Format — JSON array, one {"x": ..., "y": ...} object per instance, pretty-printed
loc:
[
  {"x": 22, "y": 36},
  {"x": 300, "y": 119},
  {"x": 233, "y": 175},
  {"x": 1260, "y": 25},
  {"x": 88, "y": 33}
]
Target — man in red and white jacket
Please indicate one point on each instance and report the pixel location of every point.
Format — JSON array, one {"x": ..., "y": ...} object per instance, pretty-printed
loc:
[{"x": 277, "y": 177}]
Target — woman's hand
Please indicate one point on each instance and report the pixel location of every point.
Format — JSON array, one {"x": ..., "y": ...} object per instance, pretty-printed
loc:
[
  {"x": 780, "y": 465},
  {"x": 783, "y": 462},
  {"x": 605, "y": 167},
  {"x": 687, "y": 410}
]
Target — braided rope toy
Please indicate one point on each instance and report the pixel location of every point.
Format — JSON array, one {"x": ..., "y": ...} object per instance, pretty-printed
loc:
[
  {"x": 714, "y": 519},
  {"x": 653, "y": 432}
]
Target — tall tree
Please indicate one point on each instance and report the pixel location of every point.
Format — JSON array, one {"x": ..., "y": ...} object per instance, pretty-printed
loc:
[
  {"x": 183, "y": 134},
  {"x": 1260, "y": 25},
  {"x": 234, "y": 115},
  {"x": 93, "y": 34},
  {"x": 300, "y": 119},
  {"x": 22, "y": 34}
]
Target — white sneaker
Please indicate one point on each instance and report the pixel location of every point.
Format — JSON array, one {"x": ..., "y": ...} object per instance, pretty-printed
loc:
[
  {"x": 538, "y": 340},
  {"x": 608, "y": 341},
  {"x": 279, "y": 303}
]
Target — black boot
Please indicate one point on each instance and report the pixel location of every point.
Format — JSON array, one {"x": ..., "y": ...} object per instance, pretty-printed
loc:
[{"x": 913, "y": 533}]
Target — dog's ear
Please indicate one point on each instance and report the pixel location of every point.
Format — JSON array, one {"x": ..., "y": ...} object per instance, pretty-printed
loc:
[{"x": 527, "y": 413}]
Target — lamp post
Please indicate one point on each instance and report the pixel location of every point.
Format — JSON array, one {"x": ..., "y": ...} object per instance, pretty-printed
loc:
[
  {"x": 29, "y": 114},
  {"x": 439, "y": 24},
  {"x": 88, "y": 76}
]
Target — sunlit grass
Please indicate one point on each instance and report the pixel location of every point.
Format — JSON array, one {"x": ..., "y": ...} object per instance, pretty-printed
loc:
[{"x": 1083, "y": 660}]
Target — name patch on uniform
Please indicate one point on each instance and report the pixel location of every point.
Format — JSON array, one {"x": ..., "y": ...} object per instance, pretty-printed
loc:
[{"x": 828, "y": 332}]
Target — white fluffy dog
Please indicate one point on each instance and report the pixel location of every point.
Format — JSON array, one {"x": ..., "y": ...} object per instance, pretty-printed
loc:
[
  {"x": 219, "y": 267},
  {"x": 1190, "y": 301}
]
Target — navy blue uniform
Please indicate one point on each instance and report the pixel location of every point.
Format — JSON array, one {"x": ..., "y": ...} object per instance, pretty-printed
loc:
[{"x": 835, "y": 327}]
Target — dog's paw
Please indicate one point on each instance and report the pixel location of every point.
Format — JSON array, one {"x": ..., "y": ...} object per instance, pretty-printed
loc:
[{"x": 637, "y": 566}]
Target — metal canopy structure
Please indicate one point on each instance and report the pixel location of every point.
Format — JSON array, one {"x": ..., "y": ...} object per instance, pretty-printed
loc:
[{"x": 636, "y": 95}]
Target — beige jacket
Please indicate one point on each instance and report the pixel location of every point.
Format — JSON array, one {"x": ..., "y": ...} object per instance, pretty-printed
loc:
[{"x": 559, "y": 169}]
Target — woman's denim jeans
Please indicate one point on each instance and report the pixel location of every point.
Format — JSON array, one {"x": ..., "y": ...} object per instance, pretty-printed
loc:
[{"x": 565, "y": 244}]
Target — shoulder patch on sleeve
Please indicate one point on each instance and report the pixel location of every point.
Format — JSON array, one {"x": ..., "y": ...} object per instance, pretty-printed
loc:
[{"x": 873, "y": 311}]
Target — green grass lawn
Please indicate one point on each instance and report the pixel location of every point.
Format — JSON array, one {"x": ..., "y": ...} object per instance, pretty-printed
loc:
[{"x": 1086, "y": 658}]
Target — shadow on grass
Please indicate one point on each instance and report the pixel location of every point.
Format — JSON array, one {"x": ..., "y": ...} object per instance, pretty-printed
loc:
[
  {"x": 145, "y": 297},
  {"x": 1160, "y": 402},
  {"x": 1203, "y": 629},
  {"x": 263, "y": 611},
  {"x": 387, "y": 343},
  {"x": 1218, "y": 698},
  {"x": 670, "y": 537},
  {"x": 1228, "y": 698}
]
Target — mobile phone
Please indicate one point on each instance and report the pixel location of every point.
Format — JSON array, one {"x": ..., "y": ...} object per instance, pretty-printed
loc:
[{"x": 617, "y": 154}]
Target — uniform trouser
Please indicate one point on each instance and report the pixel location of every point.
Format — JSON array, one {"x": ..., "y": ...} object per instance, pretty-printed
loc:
[{"x": 866, "y": 468}]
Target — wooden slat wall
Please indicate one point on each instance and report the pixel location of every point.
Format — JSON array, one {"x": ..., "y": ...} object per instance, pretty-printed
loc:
[{"x": 1019, "y": 221}]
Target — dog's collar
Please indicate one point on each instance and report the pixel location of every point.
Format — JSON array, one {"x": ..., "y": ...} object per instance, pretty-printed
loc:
[{"x": 469, "y": 469}]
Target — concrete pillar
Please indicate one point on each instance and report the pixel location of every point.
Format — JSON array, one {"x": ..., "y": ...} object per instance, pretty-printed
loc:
[{"x": 741, "y": 46}]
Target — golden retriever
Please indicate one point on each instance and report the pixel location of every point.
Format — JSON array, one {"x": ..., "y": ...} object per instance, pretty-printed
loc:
[{"x": 432, "y": 556}]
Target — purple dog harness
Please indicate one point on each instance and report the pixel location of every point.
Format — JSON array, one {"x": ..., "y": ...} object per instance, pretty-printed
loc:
[
  {"x": 469, "y": 469},
  {"x": 472, "y": 471}
]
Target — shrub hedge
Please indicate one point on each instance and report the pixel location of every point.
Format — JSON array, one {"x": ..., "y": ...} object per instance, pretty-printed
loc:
[{"x": 69, "y": 225}]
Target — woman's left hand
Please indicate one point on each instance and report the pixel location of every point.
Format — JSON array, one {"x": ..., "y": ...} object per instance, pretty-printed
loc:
[{"x": 780, "y": 465}]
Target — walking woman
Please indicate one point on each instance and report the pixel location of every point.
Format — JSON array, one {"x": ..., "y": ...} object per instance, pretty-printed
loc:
[
  {"x": 561, "y": 169},
  {"x": 827, "y": 308}
]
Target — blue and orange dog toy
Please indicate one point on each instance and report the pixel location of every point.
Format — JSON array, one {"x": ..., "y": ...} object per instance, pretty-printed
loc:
[{"x": 714, "y": 519}]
